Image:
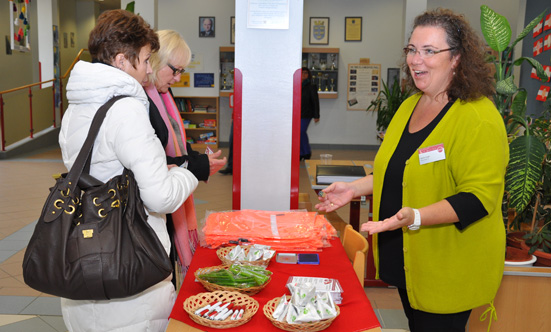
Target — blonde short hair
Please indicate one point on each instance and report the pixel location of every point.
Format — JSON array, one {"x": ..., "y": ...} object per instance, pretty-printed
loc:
[{"x": 173, "y": 50}]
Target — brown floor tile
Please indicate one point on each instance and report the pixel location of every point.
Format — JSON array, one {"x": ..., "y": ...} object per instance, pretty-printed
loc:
[
  {"x": 12, "y": 282},
  {"x": 19, "y": 291}
]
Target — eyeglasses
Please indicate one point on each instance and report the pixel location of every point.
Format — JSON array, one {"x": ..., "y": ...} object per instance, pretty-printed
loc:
[
  {"x": 176, "y": 71},
  {"x": 425, "y": 52}
]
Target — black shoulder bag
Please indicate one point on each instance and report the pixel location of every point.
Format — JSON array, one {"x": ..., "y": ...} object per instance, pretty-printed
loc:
[{"x": 92, "y": 240}]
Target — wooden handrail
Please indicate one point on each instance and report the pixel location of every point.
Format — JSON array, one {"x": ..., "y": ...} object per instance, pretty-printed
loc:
[
  {"x": 74, "y": 62},
  {"x": 29, "y": 86},
  {"x": 26, "y": 86},
  {"x": 52, "y": 80}
]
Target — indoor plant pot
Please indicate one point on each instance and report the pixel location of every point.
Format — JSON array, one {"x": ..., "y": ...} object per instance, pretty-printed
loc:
[{"x": 543, "y": 258}]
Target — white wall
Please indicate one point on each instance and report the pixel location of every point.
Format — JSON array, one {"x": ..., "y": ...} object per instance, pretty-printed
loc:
[
  {"x": 86, "y": 20},
  {"x": 382, "y": 41},
  {"x": 471, "y": 10},
  {"x": 183, "y": 16},
  {"x": 46, "y": 40}
]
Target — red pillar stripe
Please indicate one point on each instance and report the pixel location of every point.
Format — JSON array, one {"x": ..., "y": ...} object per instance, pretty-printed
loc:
[
  {"x": 237, "y": 135},
  {"x": 295, "y": 148}
]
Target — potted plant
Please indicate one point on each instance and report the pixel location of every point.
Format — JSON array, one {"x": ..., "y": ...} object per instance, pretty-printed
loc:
[
  {"x": 386, "y": 104},
  {"x": 538, "y": 212},
  {"x": 527, "y": 186}
]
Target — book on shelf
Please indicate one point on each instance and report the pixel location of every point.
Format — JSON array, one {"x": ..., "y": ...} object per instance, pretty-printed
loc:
[
  {"x": 327, "y": 174},
  {"x": 183, "y": 104},
  {"x": 204, "y": 109}
]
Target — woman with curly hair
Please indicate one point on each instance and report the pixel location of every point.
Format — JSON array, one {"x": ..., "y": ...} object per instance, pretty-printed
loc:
[{"x": 438, "y": 180}]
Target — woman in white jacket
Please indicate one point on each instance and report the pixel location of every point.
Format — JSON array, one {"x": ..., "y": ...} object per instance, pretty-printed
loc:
[{"x": 120, "y": 45}]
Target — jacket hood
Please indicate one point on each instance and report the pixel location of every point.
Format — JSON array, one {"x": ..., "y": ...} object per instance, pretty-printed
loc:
[{"x": 92, "y": 83}]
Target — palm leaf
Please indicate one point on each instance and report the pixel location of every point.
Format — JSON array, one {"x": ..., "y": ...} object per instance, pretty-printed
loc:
[
  {"x": 495, "y": 28},
  {"x": 506, "y": 87},
  {"x": 524, "y": 170},
  {"x": 535, "y": 64},
  {"x": 519, "y": 103},
  {"x": 528, "y": 29}
]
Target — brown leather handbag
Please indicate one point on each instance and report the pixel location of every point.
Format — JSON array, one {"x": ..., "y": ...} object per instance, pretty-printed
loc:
[{"x": 93, "y": 241}]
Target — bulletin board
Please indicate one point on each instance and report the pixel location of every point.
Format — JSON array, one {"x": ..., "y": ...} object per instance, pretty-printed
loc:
[{"x": 364, "y": 82}]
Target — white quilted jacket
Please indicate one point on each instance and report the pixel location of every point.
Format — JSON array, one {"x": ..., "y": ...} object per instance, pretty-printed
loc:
[{"x": 126, "y": 139}]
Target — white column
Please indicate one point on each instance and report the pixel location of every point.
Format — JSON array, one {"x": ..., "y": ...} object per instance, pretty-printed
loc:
[
  {"x": 412, "y": 8},
  {"x": 268, "y": 59},
  {"x": 44, "y": 29}
]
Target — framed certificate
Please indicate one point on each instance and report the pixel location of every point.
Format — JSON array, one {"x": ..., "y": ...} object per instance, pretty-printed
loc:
[{"x": 352, "y": 29}]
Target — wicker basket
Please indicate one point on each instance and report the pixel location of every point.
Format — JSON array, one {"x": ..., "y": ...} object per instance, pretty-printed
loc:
[
  {"x": 214, "y": 287},
  {"x": 270, "y": 307},
  {"x": 194, "y": 302},
  {"x": 223, "y": 252}
]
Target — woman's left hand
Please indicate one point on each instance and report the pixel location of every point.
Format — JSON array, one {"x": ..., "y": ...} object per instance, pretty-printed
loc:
[
  {"x": 215, "y": 163},
  {"x": 404, "y": 217}
]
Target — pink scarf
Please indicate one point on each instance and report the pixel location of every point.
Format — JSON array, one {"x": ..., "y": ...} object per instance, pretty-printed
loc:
[{"x": 184, "y": 219}]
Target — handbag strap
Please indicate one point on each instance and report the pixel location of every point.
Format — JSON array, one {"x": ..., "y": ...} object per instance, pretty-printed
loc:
[{"x": 85, "y": 155}]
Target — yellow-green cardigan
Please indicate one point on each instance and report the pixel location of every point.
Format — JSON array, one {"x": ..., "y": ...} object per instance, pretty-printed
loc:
[{"x": 448, "y": 270}]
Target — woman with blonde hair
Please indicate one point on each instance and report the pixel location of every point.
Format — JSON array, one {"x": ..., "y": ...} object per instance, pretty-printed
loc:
[{"x": 167, "y": 66}]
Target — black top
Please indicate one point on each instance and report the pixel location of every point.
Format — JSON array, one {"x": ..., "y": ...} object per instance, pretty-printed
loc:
[
  {"x": 466, "y": 205},
  {"x": 198, "y": 163},
  {"x": 310, "y": 103}
]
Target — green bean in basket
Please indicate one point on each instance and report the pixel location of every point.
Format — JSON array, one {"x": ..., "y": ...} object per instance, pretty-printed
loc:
[{"x": 238, "y": 276}]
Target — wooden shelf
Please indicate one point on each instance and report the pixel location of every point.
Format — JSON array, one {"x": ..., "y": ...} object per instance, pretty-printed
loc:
[
  {"x": 322, "y": 57},
  {"x": 328, "y": 95},
  {"x": 322, "y": 53},
  {"x": 320, "y": 50},
  {"x": 200, "y": 117},
  {"x": 198, "y": 113}
]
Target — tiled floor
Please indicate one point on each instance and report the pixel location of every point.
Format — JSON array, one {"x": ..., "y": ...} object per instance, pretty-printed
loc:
[{"x": 24, "y": 186}]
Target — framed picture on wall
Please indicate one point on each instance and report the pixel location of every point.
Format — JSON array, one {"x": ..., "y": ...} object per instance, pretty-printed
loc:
[
  {"x": 393, "y": 75},
  {"x": 352, "y": 29},
  {"x": 206, "y": 26},
  {"x": 232, "y": 30},
  {"x": 319, "y": 31}
]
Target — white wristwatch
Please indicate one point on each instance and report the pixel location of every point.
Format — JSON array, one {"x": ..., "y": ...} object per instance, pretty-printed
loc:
[{"x": 416, "y": 221}]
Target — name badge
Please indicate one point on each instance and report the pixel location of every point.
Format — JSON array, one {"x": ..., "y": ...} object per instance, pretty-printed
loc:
[{"x": 432, "y": 154}]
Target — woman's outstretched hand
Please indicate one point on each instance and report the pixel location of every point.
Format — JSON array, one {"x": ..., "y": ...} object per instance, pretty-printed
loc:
[
  {"x": 335, "y": 196},
  {"x": 404, "y": 217},
  {"x": 215, "y": 162}
]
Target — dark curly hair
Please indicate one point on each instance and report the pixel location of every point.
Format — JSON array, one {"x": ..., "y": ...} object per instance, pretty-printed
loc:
[
  {"x": 306, "y": 69},
  {"x": 120, "y": 31},
  {"x": 473, "y": 78}
]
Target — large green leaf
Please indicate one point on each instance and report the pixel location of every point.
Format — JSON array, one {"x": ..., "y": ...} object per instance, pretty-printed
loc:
[
  {"x": 519, "y": 103},
  {"x": 528, "y": 29},
  {"x": 506, "y": 86},
  {"x": 495, "y": 28},
  {"x": 535, "y": 64},
  {"x": 524, "y": 170},
  {"x": 130, "y": 6}
]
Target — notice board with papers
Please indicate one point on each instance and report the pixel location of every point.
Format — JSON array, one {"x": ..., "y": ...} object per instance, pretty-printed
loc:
[{"x": 364, "y": 81}]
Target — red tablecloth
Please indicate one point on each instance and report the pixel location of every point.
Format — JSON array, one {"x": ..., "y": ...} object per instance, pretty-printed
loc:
[{"x": 356, "y": 311}]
